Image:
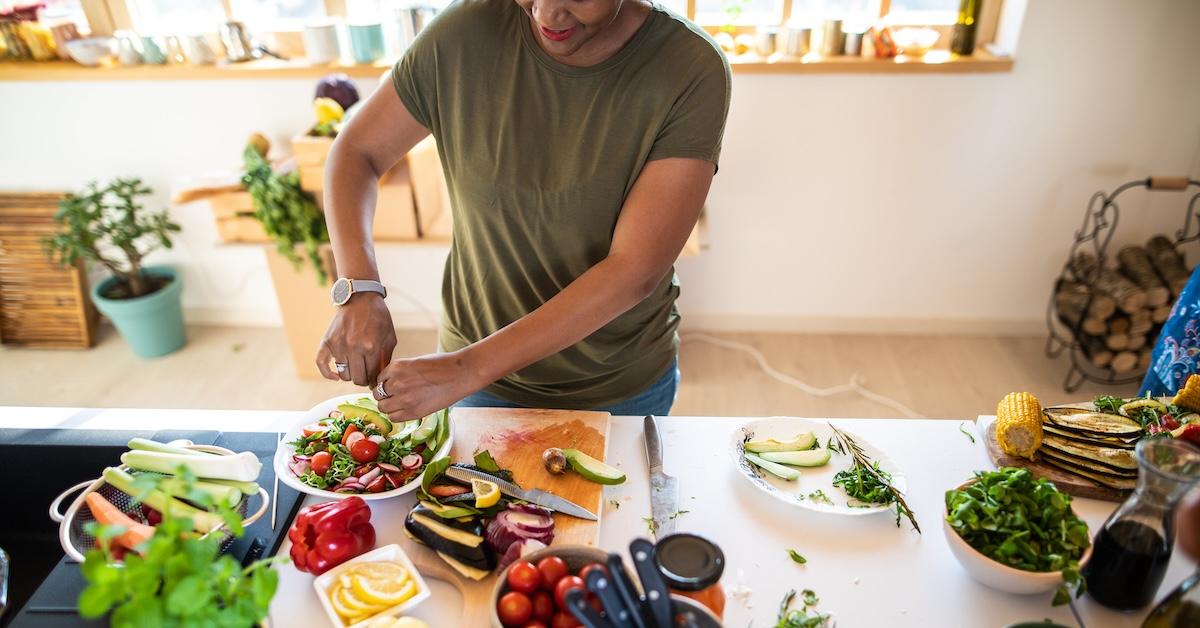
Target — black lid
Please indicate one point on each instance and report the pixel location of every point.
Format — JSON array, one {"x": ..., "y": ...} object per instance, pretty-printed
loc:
[{"x": 689, "y": 562}]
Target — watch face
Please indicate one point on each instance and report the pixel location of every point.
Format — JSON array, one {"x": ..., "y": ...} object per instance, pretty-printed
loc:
[{"x": 341, "y": 291}]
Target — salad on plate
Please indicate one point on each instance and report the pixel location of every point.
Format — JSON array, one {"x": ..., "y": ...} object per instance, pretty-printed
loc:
[{"x": 356, "y": 449}]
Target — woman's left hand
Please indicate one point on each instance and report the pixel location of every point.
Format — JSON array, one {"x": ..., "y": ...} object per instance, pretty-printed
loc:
[{"x": 416, "y": 387}]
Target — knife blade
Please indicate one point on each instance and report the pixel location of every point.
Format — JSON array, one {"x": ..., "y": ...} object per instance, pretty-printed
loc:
[
  {"x": 664, "y": 489},
  {"x": 534, "y": 496}
]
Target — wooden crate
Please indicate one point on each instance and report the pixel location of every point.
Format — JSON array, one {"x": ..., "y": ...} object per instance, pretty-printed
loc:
[
  {"x": 430, "y": 191},
  {"x": 395, "y": 214},
  {"x": 304, "y": 305},
  {"x": 234, "y": 214},
  {"x": 42, "y": 305},
  {"x": 310, "y": 150}
]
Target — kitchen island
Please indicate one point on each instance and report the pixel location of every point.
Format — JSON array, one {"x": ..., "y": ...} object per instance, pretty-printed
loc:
[{"x": 865, "y": 570}]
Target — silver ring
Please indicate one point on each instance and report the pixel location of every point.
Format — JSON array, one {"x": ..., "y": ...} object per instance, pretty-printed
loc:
[
  {"x": 380, "y": 391},
  {"x": 341, "y": 367}
]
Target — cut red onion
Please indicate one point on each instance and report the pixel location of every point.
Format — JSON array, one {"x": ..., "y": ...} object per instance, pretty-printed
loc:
[
  {"x": 391, "y": 468},
  {"x": 520, "y": 549},
  {"x": 411, "y": 461},
  {"x": 370, "y": 476},
  {"x": 520, "y": 523},
  {"x": 376, "y": 438},
  {"x": 348, "y": 489}
]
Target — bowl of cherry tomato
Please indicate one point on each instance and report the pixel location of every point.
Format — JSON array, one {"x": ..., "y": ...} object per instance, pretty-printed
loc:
[{"x": 529, "y": 593}]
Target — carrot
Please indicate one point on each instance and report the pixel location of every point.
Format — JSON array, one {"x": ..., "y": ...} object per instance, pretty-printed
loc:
[{"x": 107, "y": 514}]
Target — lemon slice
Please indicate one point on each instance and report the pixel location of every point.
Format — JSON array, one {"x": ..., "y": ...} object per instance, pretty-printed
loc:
[
  {"x": 486, "y": 493},
  {"x": 387, "y": 592},
  {"x": 345, "y": 610},
  {"x": 379, "y": 570},
  {"x": 352, "y": 602}
]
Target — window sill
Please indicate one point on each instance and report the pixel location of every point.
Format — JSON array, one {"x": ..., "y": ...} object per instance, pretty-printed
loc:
[{"x": 933, "y": 63}]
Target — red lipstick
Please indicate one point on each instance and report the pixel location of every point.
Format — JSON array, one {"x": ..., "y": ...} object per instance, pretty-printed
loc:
[{"x": 554, "y": 35}]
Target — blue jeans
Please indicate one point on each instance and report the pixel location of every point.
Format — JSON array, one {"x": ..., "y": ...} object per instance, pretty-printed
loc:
[{"x": 656, "y": 400}]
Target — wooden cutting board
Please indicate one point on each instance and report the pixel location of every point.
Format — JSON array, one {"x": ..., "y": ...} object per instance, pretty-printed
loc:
[
  {"x": 1066, "y": 482},
  {"x": 516, "y": 438}
]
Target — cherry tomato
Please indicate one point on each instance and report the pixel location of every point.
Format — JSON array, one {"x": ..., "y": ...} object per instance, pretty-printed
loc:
[
  {"x": 377, "y": 485},
  {"x": 314, "y": 428},
  {"x": 1169, "y": 422},
  {"x": 514, "y": 608},
  {"x": 543, "y": 606},
  {"x": 534, "y": 624},
  {"x": 553, "y": 569},
  {"x": 524, "y": 577},
  {"x": 364, "y": 450},
  {"x": 589, "y": 568},
  {"x": 350, "y": 429},
  {"x": 563, "y": 619},
  {"x": 566, "y": 584},
  {"x": 320, "y": 462}
]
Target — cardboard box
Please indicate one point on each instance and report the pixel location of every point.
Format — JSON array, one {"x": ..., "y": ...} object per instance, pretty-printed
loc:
[
  {"x": 234, "y": 215},
  {"x": 434, "y": 219},
  {"x": 305, "y": 306},
  {"x": 310, "y": 150}
]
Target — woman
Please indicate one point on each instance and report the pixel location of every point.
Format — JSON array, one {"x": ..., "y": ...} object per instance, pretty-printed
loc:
[{"x": 578, "y": 139}]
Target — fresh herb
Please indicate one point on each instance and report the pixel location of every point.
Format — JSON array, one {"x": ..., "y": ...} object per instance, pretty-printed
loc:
[
  {"x": 651, "y": 524},
  {"x": 796, "y": 557},
  {"x": 820, "y": 496},
  {"x": 1022, "y": 522},
  {"x": 865, "y": 481},
  {"x": 966, "y": 433},
  {"x": 833, "y": 445},
  {"x": 177, "y": 579},
  {"x": 799, "y": 618},
  {"x": 1108, "y": 403},
  {"x": 614, "y": 503},
  {"x": 238, "y": 346},
  {"x": 677, "y": 513},
  {"x": 288, "y": 214},
  {"x": 485, "y": 461}
]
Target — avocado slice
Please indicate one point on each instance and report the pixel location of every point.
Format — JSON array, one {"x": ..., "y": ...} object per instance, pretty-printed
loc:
[
  {"x": 810, "y": 458},
  {"x": 446, "y": 511},
  {"x": 405, "y": 429},
  {"x": 371, "y": 417},
  {"x": 801, "y": 442},
  {"x": 426, "y": 430},
  {"x": 593, "y": 469},
  {"x": 773, "y": 468}
]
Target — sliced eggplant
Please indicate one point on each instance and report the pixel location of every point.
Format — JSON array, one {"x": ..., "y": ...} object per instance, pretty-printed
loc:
[
  {"x": 1086, "y": 463},
  {"x": 467, "y": 571},
  {"x": 462, "y": 540},
  {"x": 1099, "y": 441},
  {"x": 1120, "y": 459},
  {"x": 1100, "y": 423},
  {"x": 1103, "y": 479},
  {"x": 463, "y": 498}
]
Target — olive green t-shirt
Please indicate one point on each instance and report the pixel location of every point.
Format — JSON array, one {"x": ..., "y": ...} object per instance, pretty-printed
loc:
[{"x": 539, "y": 157}]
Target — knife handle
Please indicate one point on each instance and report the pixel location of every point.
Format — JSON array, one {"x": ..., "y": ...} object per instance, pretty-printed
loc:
[
  {"x": 658, "y": 597},
  {"x": 654, "y": 452},
  {"x": 577, "y": 603},
  {"x": 602, "y": 586},
  {"x": 628, "y": 592}
]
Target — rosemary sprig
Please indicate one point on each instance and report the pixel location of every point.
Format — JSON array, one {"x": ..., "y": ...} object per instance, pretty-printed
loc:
[{"x": 863, "y": 464}]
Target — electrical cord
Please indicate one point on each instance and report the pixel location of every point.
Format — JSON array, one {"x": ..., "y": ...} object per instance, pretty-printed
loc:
[{"x": 856, "y": 384}]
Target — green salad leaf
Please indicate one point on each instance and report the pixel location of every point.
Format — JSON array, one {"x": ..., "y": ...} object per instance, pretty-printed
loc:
[
  {"x": 800, "y": 618},
  {"x": 1108, "y": 403},
  {"x": 1022, "y": 522}
]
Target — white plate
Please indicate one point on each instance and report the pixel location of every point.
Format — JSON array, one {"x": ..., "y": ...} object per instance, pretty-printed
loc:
[
  {"x": 811, "y": 478},
  {"x": 388, "y": 553},
  {"x": 283, "y": 455}
]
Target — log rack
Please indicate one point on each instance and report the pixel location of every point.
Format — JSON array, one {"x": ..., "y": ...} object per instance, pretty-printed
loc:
[{"x": 1102, "y": 316}]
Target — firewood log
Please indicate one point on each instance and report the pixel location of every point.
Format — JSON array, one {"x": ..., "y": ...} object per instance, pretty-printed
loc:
[
  {"x": 1128, "y": 295},
  {"x": 1118, "y": 325},
  {"x": 1136, "y": 265},
  {"x": 1124, "y": 362},
  {"x": 1096, "y": 352},
  {"x": 1070, "y": 310},
  {"x": 1169, "y": 263},
  {"x": 1160, "y": 314},
  {"x": 1117, "y": 342},
  {"x": 1143, "y": 362},
  {"x": 1136, "y": 342},
  {"x": 1101, "y": 306}
]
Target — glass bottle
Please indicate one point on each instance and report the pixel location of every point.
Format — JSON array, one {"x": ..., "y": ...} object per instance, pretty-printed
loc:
[
  {"x": 1133, "y": 547},
  {"x": 692, "y": 566},
  {"x": 1180, "y": 608},
  {"x": 963, "y": 41}
]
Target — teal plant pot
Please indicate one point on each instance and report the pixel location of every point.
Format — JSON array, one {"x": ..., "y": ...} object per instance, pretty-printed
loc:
[{"x": 151, "y": 324}]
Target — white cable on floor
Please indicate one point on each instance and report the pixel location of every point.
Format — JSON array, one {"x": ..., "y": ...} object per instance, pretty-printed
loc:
[{"x": 855, "y": 385}]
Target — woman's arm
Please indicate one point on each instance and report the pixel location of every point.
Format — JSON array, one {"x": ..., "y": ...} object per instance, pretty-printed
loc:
[
  {"x": 361, "y": 333},
  {"x": 654, "y": 224}
]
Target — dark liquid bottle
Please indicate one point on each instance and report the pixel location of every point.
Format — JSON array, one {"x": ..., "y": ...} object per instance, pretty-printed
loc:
[
  {"x": 963, "y": 42},
  {"x": 1132, "y": 549},
  {"x": 1127, "y": 566}
]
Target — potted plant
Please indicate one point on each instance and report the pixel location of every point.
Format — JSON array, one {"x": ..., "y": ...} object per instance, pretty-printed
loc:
[{"x": 106, "y": 225}]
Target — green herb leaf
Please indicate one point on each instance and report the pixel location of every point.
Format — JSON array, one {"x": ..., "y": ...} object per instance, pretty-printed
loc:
[
  {"x": 965, "y": 432},
  {"x": 1108, "y": 403},
  {"x": 796, "y": 557},
  {"x": 809, "y": 597},
  {"x": 189, "y": 597}
]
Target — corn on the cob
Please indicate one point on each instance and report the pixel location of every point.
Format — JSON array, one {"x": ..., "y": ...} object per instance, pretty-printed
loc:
[
  {"x": 1019, "y": 424},
  {"x": 1189, "y": 396}
]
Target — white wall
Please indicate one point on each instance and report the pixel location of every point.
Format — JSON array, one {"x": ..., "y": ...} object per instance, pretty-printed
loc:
[{"x": 844, "y": 202}]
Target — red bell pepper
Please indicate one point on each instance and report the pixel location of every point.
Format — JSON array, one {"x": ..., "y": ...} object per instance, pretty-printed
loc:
[{"x": 326, "y": 535}]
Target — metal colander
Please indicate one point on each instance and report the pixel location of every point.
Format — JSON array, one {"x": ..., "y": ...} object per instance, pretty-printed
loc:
[{"x": 76, "y": 541}]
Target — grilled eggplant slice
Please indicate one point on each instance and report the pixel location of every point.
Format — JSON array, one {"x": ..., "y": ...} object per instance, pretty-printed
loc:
[
  {"x": 1086, "y": 463},
  {"x": 1093, "y": 423},
  {"x": 1078, "y": 437},
  {"x": 460, "y": 539},
  {"x": 1118, "y": 459},
  {"x": 1103, "y": 479}
]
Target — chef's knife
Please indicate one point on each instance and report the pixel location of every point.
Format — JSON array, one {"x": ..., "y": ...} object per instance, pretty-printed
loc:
[
  {"x": 664, "y": 489},
  {"x": 533, "y": 496}
]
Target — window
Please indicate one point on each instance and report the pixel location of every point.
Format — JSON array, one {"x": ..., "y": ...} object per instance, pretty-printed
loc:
[
  {"x": 283, "y": 15},
  {"x": 163, "y": 17},
  {"x": 923, "y": 12},
  {"x": 738, "y": 12}
]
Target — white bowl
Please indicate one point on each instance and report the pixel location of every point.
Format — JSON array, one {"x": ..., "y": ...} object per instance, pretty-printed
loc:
[
  {"x": 997, "y": 575},
  {"x": 387, "y": 553},
  {"x": 283, "y": 455},
  {"x": 92, "y": 51}
]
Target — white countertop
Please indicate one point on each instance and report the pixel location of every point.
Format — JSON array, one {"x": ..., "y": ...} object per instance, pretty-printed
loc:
[{"x": 866, "y": 571}]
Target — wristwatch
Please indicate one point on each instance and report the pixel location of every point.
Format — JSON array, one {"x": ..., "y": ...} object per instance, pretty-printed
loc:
[{"x": 344, "y": 288}]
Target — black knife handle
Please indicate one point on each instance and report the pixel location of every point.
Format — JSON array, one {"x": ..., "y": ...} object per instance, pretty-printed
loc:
[
  {"x": 658, "y": 597},
  {"x": 625, "y": 588},
  {"x": 578, "y": 605},
  {"x": 601, "y": 585},
  {"x": 256, "y": 550}
]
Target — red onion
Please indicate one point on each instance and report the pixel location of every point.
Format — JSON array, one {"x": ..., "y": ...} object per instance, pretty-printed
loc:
[
  {"x": 520, "y": 523},
  {"x": 389, "y": 467},
  {"x": 299, "y": 458},
  {"x": 411, "y": 461},
  {"x": 520, "y": 549},
  {"x": 299, "y": 468}
]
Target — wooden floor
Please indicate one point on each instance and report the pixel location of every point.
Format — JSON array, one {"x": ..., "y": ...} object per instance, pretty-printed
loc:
[{"x": 954, "y": 377}]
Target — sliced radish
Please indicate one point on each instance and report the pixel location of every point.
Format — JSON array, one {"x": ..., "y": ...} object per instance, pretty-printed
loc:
[
  {"x": 411, "y": 461},
  {"x": 391, "y": 468}
]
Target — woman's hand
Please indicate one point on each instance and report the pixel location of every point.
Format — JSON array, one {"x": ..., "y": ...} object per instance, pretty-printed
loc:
[
  {"x": 416, "y": 387},
  {"x": 359, "y": 341}
]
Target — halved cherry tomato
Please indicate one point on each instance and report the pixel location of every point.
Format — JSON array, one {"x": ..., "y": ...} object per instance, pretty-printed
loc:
[
  {"x": 376, "y": 485},
  {"x": 320, "y": 462},
  {"x": 514, "y": 608},
  {"x": 394, "y": 479},
  {"x": 563, "y": 619},
  {"x": 363, "y": 450},
  {"x": 524, "y": 577},
  {"x": 448, "y": 490},
  {"x": 564, "y": 585},
  {"x": 350, "y": 429},
  {"x": 543, "y": 606},
  {"x": 314, "y": 428}
]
